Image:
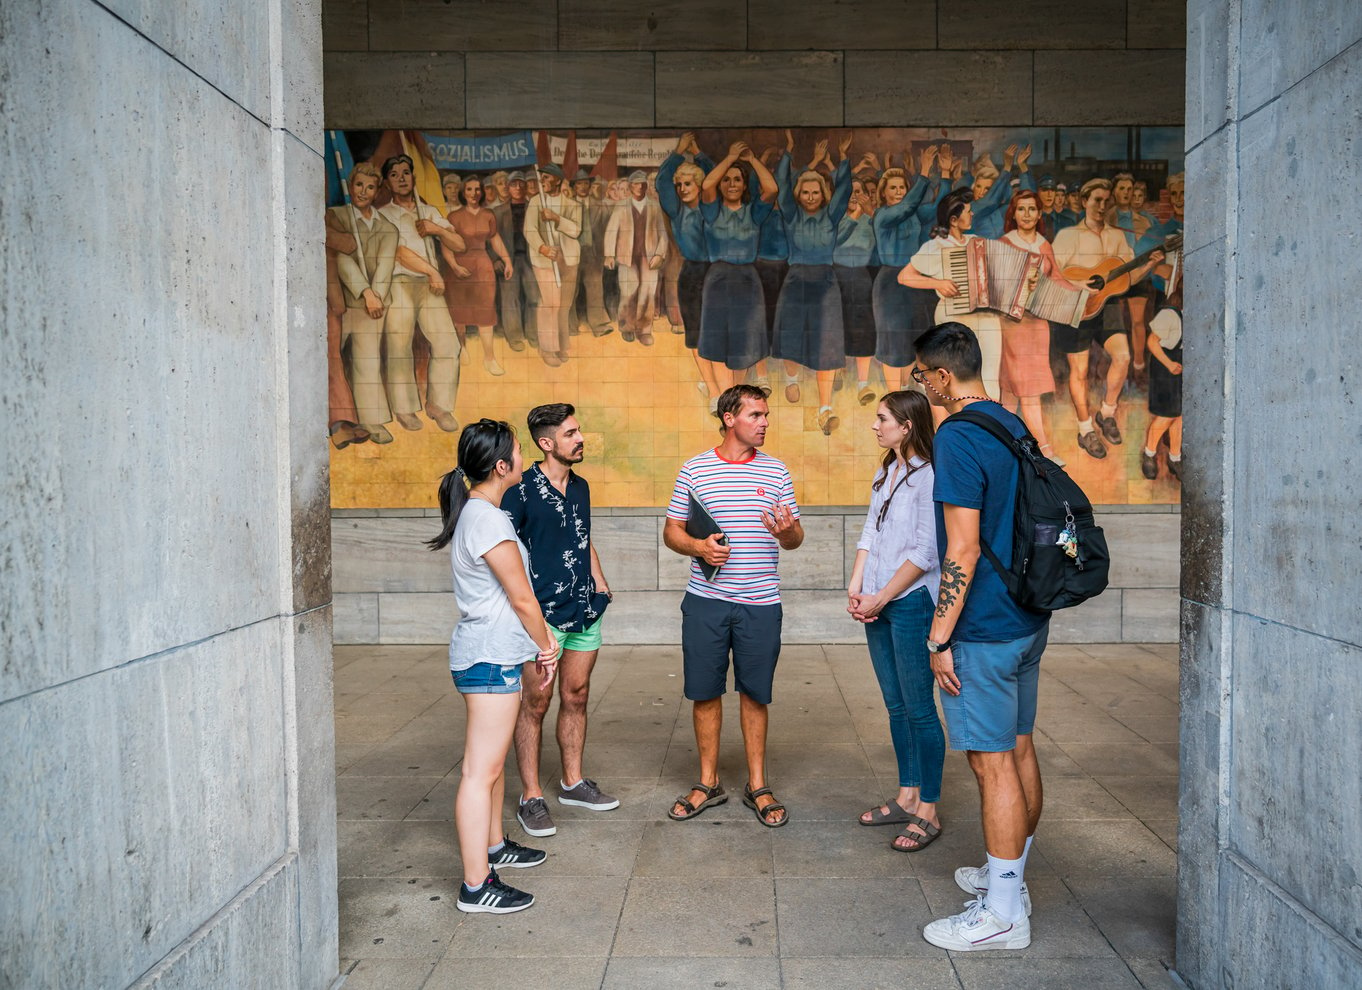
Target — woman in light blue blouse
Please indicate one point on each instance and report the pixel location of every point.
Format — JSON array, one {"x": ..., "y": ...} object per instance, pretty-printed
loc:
[
  {"x": 809, "y": 328},
  {"x": 894, "y": 585},
  {"x": 678, "y": 192},
  {"x": 853, "y": 259},
  {"x": 732, "y": 312},
  {"x": 900, "y": 312}
]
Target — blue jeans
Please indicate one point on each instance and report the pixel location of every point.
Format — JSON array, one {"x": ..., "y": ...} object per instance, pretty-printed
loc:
[{"x": 898, "y": 652}]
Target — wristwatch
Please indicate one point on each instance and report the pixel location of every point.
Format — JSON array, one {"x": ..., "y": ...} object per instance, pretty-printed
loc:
[{"x": 935, "y": 647}]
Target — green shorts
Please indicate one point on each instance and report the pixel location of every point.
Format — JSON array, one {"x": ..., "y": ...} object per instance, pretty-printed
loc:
[{"x": 581, "y": 642}]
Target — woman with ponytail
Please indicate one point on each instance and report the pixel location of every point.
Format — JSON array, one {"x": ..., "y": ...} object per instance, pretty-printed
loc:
[
  {"x": 893, "y": 588},
  {"x": 500, "y": 628}
]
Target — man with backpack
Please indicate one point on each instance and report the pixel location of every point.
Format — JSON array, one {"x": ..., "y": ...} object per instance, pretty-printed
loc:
[{"x": 985, "y": 647}]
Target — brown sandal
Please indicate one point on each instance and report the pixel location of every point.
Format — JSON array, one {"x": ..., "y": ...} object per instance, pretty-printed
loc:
[
  {"x": 929, "y": 834},
  {"x": 713, "y": 795},
  {"x": 749, "y": 798},
  {"x": 896, "y": 816}
]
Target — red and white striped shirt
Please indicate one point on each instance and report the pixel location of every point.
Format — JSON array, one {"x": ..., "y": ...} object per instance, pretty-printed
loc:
[{"x": 736, "y": 493}]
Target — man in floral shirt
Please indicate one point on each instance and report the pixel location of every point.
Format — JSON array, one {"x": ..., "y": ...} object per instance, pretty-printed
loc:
[{"x": 551, "y": 512}]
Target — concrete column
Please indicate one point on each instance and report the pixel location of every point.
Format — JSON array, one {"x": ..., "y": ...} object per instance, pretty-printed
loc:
[
  {"x": 166, "y": 748},
  {"x": 1271, "y": 800}
]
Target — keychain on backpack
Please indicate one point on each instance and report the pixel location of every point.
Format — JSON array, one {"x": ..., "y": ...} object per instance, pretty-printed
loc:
[{"x": 1068, "y": 536}]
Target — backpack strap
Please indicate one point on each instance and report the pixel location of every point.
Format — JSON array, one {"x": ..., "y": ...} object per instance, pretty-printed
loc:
[{"x": 990, "y": 425}]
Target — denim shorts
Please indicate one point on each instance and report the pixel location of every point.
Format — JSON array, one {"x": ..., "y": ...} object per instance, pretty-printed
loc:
[
  {"x": 488, "y": 678},
  {"x": 997, "y": 700}
]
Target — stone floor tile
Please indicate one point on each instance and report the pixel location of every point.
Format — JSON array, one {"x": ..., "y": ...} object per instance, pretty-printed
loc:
[
  {"x": 378, "y": 798},
  {"x": 1136, "y": 914},
  {"x": 1053, "y": 760},
  {"x": 638, "y": 799},
  {"x": 999, "y": 971},
  {"x": 1153, "y": 974},
  {"x": 570, "y": 917},
  {"x": 830, "y": 799},
  {"x": 1098, "y": 728},
  {"x": 589, "y": 849},
  {"x": 1112, "y": 759},
  {"x": 413, "y": 757},
  {"x": 1080, "y": 799},
  {"x": 348, "y": 754},
  {"x": 563, "y": 973},
  {"x": 387, "y": 974},
  {"x": 1145, "y": 797},
  {"x": 826, "y": 917},
  {"x": 1139, "y": 705},
  {"x": 791, "y": 759},
  {"x": 1059, "y": 926},
  {"x": 1110, "y": 849},
  {"x": 838, "y": 849},
  {"x": 704, "y": 849},
  {"x": 395, "y": 919},
  {"x": 396, "y": 849},
  {"x": 1166, "y": 829},
  {"x": 868, "y": 974},
  {"x": 354, "y": 728},
  {"x": 721, "y": 917},
  {"x": 688, "y": 974},
  {"x": 1155, "y": 730}
]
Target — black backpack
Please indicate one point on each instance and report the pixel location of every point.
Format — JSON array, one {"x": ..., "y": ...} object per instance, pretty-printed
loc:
[{"x": 1044, "y": 576}]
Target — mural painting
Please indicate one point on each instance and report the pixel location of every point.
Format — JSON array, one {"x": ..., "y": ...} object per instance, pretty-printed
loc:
[{"x": 636, "y": 274}]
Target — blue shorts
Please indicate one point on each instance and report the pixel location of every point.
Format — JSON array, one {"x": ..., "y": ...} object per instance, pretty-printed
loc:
[
  {"x": 997, "y": 700},
  {"x": 488, "y": 678}
]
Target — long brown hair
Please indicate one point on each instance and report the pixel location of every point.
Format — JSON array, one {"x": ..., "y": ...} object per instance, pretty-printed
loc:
[
  {"x": 911, "y": 409},
  {"x": 1010, "y": 220}
]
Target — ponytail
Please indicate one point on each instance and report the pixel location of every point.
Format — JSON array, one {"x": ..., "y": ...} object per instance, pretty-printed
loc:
[
  {"x": 453, "y": 497},
  {"x": 481, "y": 446}
]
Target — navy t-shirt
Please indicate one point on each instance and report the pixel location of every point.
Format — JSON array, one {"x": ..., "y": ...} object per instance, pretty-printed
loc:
[{"x": 975, "y": 471}]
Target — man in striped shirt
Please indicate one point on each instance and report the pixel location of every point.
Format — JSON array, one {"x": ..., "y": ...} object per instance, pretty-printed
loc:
[{"x": 750, "y": 495}]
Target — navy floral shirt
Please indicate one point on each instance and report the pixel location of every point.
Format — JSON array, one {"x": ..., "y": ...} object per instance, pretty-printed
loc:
[{"x": 556, "y": 528}]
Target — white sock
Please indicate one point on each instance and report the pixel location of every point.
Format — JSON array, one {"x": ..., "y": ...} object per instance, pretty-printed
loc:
[
  {"x": 1004, "y": 888},
  {"x": 825, "y": 408},
  {"x": 1148, "y": 452},
  {"x": 567, "y": 787},
  {"x": 1108, "y": 411},
  {"x": 1085, "y": 426},
  {"x": 1175, "y": 460},
  {"x": 474, "y": 890},
  {"x": 791, "y": 379},
  {"x": 1025, "y": 853},
  {"x": 493, "y": 850}
]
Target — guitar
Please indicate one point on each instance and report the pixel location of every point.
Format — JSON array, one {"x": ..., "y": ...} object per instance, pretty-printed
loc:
[{"x": 1111, "y": 276}]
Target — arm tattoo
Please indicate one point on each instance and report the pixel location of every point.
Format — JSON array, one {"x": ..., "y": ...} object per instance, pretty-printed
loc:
[{"x": 953, "y": 586}]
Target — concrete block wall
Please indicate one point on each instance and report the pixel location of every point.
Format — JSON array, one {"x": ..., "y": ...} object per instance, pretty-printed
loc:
[
  {"x": 1272, "y": 625},
  {"x": 390, "y": 589},
  {"x": 622, "y": 63},
  {"x": 165, "y": 703}
]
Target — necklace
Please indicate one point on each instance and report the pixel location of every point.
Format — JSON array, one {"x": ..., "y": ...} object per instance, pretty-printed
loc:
[{"x": 966, "y": 398}]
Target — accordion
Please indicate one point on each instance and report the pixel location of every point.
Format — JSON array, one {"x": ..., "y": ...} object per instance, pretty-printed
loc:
[{"x": 996, "y": 275}]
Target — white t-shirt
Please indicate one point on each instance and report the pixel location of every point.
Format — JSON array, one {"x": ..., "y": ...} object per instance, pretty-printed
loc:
[{"x": 489, "y": 631}]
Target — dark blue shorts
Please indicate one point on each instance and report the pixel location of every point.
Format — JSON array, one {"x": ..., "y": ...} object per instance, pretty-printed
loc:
[{"x": 711, "y": 629}]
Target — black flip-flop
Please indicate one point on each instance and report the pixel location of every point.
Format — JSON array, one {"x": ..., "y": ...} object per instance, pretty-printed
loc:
[
  {"x": 749, "y": 798},
  {"x": 713, "y": 795}
]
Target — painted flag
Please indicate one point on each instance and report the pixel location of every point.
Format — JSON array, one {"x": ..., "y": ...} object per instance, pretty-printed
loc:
[
  {"x": 338, "y": 165},
  {"x": 570, "y": 164},
  {"x": 542, "y": 155},
  {"x": 427, "y": 176},
  {"x": 607, "y": 166}
]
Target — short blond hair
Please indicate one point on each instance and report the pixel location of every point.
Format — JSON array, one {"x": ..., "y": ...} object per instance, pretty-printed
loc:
[
  {"x": 1178, "y": 179},
  {"x": 692, "y": 170},
  {"x": 809, "y": 175},
  {"x": 363, "y": 168},
  {"x": 1090, "y": 185},
  {"x": 890, "y": 173}
]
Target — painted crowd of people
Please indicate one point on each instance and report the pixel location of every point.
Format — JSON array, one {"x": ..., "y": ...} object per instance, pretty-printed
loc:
[{"x": 824, "y": 272}]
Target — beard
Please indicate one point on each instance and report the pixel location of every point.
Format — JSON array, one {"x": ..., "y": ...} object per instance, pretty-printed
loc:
[{"x": 577, "y": 455}]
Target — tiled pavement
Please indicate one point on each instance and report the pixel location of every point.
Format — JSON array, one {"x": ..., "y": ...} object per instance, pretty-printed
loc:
[{"x": 630, "y": 899}]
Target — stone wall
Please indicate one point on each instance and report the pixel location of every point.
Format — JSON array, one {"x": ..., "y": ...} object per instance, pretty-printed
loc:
[
  {"x": 1271, "y": 802},
  {"x": 713, "y": 63},
  {"x": 165, "y": 693},
  {"x": 390, "y": 589}
]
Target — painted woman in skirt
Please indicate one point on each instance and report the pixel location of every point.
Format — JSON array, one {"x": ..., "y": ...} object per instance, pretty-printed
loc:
[
  {"x": 678, "y": 191},
  {"x": 899, "y": 315},
  {"x": 1026, "y": 373},
  {"x": 732, "y": 313},
  {"x": 927, "y": 270},
  {"x": 809, "y": 329},
  {"x": 853, "y": 260}
]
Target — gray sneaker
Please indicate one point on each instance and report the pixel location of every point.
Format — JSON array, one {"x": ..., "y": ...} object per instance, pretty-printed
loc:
[
  {"x": 587, "y": 795},
  {"x": 535, "y": 819}
]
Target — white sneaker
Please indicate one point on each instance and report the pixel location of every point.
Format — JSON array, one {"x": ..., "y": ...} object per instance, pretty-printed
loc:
[
  {"x": 978, "y": 928},
  {"x": 974, "y": 880}
]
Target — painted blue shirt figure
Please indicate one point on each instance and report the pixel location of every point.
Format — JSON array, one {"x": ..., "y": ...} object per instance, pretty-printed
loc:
[
  {"x": 556, "y": 530},
  {"x": 855, "y": 242},
  {"x": 812, "y": 236},
  {"x": 898, "y": 228},
  {"x": 1154, "y": 238},
  {"x": 774, "y": 246},
  {"x": 733, "y": 235},
  {"x": 990, "y": 210},
  {"x": 688, "y": 225}
]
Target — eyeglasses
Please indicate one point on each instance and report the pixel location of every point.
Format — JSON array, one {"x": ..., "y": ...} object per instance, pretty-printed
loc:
[{"x": 920, "y": 374}]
